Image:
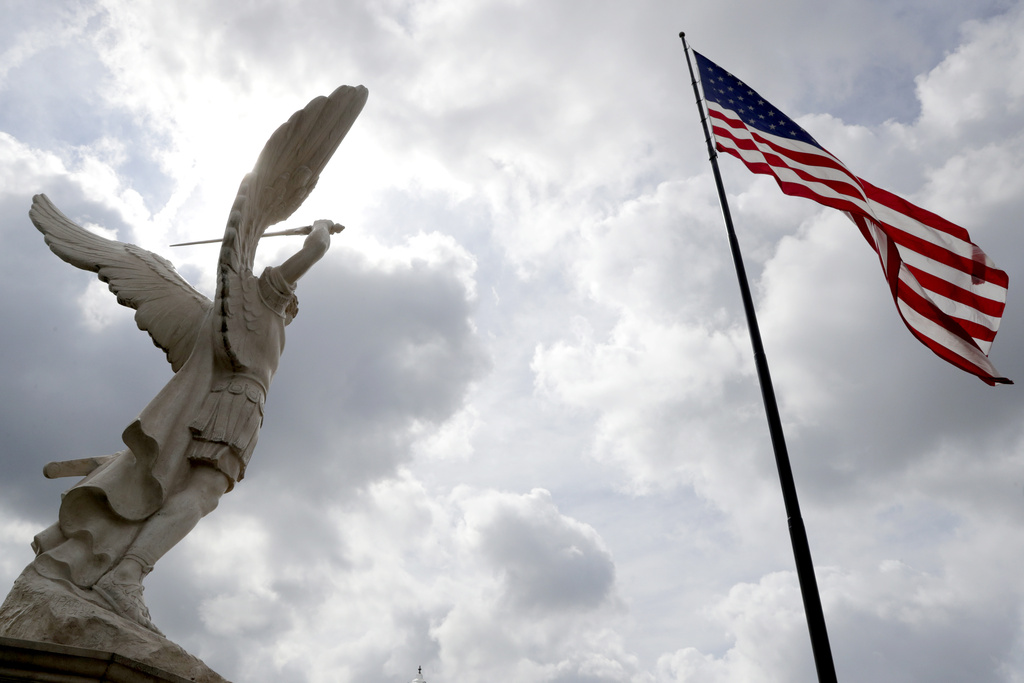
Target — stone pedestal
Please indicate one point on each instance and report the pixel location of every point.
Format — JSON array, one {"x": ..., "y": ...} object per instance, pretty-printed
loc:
[
  {"x": 66, "y": 627},
  {"x": 25, "y": 660}
]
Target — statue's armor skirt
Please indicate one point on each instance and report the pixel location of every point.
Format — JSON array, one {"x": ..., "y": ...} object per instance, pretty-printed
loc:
[{"x": 225, "y": 431}]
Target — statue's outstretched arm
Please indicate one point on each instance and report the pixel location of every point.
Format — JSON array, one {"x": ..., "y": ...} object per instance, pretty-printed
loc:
[
  {"x": 313, "y": 249},
  {"x": 288, "y": 168},
  {"x": 285, "y": 172}
]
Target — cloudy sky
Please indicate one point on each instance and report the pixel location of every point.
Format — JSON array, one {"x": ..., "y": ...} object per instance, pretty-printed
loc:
[{"x": 516, "y": 434}]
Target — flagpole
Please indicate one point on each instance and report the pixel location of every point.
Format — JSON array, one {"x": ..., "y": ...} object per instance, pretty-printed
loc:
[{"x": 797, "y": 533}]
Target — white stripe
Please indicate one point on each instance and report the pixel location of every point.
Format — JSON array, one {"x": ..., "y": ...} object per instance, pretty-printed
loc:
[
  {"x": 787, "y": 174},
  {"x": 886, "y": 215},
  {"x": 797, "y": 146},
  {"x": 879, "y": 241},
  {"x": 901, "y": 221},
  {"x": 821, "y": 173},
  {"x": 916, "y": 259},
  {"x": 944, "y": 338},
  {"x": 985, "y": 289},
  {"x": 788, "y": 143},
  {"x": 908, "y": 279},
  {"x": 914, "y": 227},
  {"x": 924, "y": 325},
  {"x": 956, "y": 276},
  {"x": 944, "y": 304}
]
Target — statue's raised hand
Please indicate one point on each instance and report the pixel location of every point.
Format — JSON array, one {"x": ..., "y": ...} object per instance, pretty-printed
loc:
[{"x": 319, "y": 238}]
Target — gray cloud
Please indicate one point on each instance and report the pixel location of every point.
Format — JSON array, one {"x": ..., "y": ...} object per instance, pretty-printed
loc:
[{"x": 547, "y": 561}]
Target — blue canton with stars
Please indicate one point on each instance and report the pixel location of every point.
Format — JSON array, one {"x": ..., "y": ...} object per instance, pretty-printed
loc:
[{"x": 726, "y": 90}]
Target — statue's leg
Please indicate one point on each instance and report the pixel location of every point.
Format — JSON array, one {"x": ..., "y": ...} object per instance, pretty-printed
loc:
[
  {"x": 122, "y": 585},
  {"x": 178, "y": 516}
]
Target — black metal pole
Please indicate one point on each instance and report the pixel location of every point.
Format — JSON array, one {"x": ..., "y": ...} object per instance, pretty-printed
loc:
[{"x": 797, "y": 534}]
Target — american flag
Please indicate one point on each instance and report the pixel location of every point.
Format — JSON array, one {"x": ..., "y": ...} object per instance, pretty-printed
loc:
[{"x": 947, "y": 290}]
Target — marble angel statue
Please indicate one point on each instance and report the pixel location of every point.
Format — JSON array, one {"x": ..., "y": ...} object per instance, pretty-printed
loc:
[{"x": 193, "y": 441}]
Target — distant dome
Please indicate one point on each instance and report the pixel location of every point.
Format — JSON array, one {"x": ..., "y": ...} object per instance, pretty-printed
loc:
[{"x": 419, "y": 677}]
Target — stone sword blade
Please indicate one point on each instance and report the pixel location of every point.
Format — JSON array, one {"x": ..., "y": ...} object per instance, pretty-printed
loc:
[{"x": 304, "y": 230}]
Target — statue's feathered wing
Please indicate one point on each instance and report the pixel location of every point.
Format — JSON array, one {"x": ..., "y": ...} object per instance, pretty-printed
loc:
[
  {"x": 165, "y": 304},
  {"x": 288, "y": 168},
  {"x": 286, "y": 172}
]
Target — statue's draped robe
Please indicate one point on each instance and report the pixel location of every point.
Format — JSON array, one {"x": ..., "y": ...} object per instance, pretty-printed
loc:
[{"x": 208, "y": 407}]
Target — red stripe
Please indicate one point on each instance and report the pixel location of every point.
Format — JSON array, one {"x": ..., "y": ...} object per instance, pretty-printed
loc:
[
  {"x": 927, "y": 309},
  {"x": 922, "y": 305},
  {"x": 824, "y": 158},
  {"x": 976, "y": 269},
  {"x": 900, "y": 205},
  {"x": 900, "y": 237},
  {"x": 777, "y": 161},
  {"x": 958, "y": 361},
  {"x": 977, "y": 331},
  {"x": 818, "y": 160},
  {"x": 945, "y": 288},
  {"x": 793, "y": 188},
  {"x": 929, "y": 249}
]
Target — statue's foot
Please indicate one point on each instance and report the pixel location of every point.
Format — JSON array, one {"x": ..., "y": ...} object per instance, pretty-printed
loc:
[{"x": 126, "y": 600}]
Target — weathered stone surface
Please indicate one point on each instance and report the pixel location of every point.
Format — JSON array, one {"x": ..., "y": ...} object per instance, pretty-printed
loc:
[
  {"x": 24, "y": 660},
  {"x": 45, "y": 611},
  {"x": 193, "y": 441},
  {"x": 191, "y": 444}
]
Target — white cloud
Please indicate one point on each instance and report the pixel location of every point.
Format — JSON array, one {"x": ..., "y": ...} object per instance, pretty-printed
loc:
[
  {"x": 15, "y": 534},
  {"x": 452, "y": 439},
  {"x": 472, "y": 582},
  {"x": 962, "y": 91}
]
